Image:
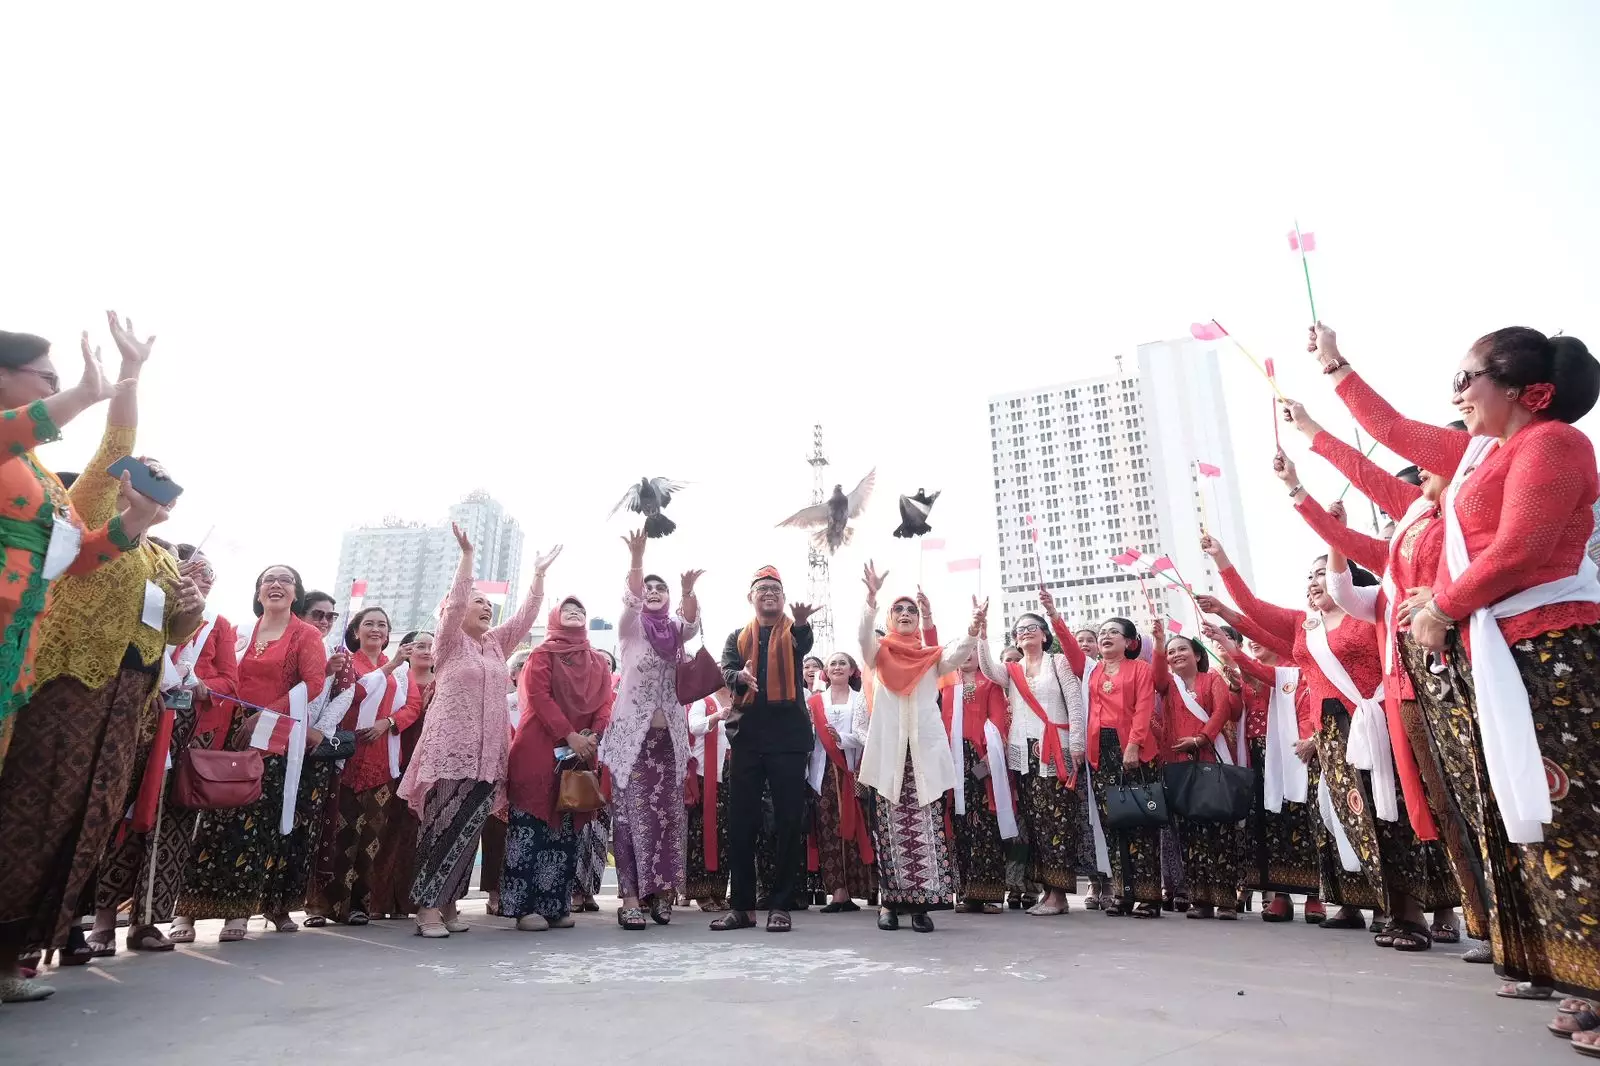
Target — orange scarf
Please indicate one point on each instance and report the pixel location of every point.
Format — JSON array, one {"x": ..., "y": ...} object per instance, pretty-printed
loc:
[
  {"x": 780, "y": 685},
  {"x": 902, "y": 661}
]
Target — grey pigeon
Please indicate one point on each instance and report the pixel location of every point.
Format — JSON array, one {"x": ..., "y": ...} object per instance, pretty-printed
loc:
[
  {"x": 914, "y": 514},
  {"x": 831, "y": 518},
  {"x": 648, "y": 497}
]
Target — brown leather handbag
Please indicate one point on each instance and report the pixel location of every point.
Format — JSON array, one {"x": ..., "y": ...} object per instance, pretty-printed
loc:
[
  {"x": 208, "y": 780},
  {"x": 700, "y": 675},
  {"x": 580, "y": 789}
]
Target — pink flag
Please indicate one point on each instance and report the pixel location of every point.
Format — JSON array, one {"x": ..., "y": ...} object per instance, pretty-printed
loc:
[
  {"x": 1207, "y": 331},
  {"x": 1174, "y": 626},
  {"x": 1207, "y": 470},
  {"x": 1302, "y": 242},
  {"x": 1163, "y": 563},
  {"x": 1033, "y": 529},
  {"x": 1272, "y": 371},
  {"x": 358, "y": 588},
  {"x": 271, "y": 733},
  {"x": 956, "y": 566},
  {"x": 932, "y": 544}
]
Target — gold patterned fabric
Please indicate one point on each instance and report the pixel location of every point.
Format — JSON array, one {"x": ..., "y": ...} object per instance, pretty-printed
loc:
[{"x": 93, "y": 618}]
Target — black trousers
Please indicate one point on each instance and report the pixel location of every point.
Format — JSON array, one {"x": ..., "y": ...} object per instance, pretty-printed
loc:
[{"x": 784, "y": 774}]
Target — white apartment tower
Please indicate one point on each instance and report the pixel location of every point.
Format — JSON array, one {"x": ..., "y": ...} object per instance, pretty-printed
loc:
[
  {"x": 1104, "y": 464},
  {"x": 408, "y": 565}
]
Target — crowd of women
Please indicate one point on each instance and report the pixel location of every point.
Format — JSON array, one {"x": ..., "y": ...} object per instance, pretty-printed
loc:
[{"x": 1418, "y": 731}]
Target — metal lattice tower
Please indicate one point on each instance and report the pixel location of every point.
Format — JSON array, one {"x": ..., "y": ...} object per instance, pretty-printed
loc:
[{"x": 818, "y": 586}]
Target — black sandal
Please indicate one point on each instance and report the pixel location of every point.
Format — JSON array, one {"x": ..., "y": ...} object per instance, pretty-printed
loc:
[
  {"x": 734, "y": 919},
  {"x": 632, "y": 919},
  {"x": 1180, "y": 903},
  {"x": 1356, "y": 922},
  {"x": 1384, "y": 937},
  {"x": 78, "y": 951},
  {"x": 889, "y": 921},
  {"x": 1147, "y": 910},
  {"x": 1446, "y": 934},
  {"x": 779, "y": 922},
  {"x": 661, "y": 909},
  {"x": 1411, "y": 936}
]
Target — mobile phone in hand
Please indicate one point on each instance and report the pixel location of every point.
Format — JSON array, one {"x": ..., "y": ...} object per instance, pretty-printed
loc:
[{"x": 145, "y": 483}]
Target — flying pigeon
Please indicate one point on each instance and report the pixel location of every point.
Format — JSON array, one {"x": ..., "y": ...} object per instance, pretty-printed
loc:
[
  {"x": 914, "y": 514},
  {"x": 648, "y": 497},
  {"x": 831, "y": 518}
]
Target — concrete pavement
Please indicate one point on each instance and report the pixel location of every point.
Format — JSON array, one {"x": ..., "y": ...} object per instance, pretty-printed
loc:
[{"x": 982, "y": 989}]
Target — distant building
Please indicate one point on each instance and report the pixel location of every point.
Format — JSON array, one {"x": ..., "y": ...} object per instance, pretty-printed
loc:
[
  {"x": 1107, "y": 463},
  {"x": 408, "y": 565}
]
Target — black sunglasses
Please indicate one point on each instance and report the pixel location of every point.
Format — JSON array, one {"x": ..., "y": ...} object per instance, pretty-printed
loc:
[{"x": 1463, "y": 380}]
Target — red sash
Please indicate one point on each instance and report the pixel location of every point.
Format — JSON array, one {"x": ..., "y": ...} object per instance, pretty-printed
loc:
[
  {"x": 1050, "y": 752},
  {"x": 155, "y": 773},
  {"x": 852, "y": 826}
]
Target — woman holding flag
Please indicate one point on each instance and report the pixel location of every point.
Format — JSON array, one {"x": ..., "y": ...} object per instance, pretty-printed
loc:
[
  {"x": 842, "y": 837},
  {"x": 1044, "y": 748}
]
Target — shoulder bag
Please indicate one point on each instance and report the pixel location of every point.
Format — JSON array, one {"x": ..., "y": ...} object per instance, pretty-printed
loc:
[
  {"x": 700, "y": 675},
  {"x": 1209, "y": 792},
  {"x": 1136, "y": 806}
]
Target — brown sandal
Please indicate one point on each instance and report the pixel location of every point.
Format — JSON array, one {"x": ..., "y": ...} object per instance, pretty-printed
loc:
[
  {"x": 779, "y": 922},
  {"x": 734, "y": 919},
  {"x": 102, "y": 943},
  {"x": 148, "y": 938}
]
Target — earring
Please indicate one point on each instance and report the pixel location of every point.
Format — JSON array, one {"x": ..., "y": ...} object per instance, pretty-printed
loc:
[{"x": 1511, "y": 394}]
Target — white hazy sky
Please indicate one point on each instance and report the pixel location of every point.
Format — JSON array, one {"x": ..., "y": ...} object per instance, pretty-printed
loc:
[{"x": 395, "y": 252}]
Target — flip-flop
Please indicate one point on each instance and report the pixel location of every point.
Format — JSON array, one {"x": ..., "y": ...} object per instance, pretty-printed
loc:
[
  {"x": 1446, "y": 934},
  {"x": 148, "y": 938},
  {"x": 1411, "y": 936},
  {"x": 1573, "y": 1005},
  {"x": 734, "y": 919},
  {"x": 779, "y": 922},
  {"x": 1583, "y": 1021},
  {"x": 1524, "y": 990},
  {"x": 103, "y": 944},
  {"x": 1587, "y": 1044}
]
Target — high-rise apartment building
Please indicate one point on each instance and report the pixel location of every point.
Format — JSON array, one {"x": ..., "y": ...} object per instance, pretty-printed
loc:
[
  {"x": 1108, "y": 463},
  {"x": 408, "y": 565}
]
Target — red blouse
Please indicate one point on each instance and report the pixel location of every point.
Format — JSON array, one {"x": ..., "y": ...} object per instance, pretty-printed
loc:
[
  {"x": 1221, "y": 704},
  {"x": 1353, "y": 642},
  {"x": 1123, "y": 702},
  {"x": 1526, "y": 512},
  {"x": 265, "y": 677}
]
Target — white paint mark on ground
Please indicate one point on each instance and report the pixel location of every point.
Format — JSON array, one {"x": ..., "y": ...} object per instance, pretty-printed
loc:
[
  {"x": 955, "y": 1003},
  {"x": 680, "y": 963}
]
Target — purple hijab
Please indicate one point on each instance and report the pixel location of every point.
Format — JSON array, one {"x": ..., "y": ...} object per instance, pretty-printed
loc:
[{"x": 659, "y": 629}]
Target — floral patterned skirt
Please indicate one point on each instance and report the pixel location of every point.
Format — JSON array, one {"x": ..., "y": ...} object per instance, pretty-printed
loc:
[
  {"x": 701, "y": 883},
  {"x": 1280, "y": 847},
  {"x": 1054, "y": 815},
  {"x": 541, "y": 866},
  {"x": 1135, "y": 854},
  {"x": 839, "y": 860},
  {"x": 647, "y": 822},
  {"x": 1211, "y": 866}
]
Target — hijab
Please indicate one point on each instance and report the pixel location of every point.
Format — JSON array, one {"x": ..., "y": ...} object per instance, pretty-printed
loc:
[
  {"x": 660, "y": 630},
  {"x": 580, "y": 677},
  {"x": 902, "y": 658}
]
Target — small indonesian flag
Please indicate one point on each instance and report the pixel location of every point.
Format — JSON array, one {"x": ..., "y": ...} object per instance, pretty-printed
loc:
[
  {"x": 1207, "y": 331},
  {"x": 956, "y": 566},
  {"x": 358, "y": 589},
  {"x": 932, "y": 544},
  {"x": 1207, "y": 470},
  {"x": 495, "y": 591},
  {"x": 1127, "y": 558},
  {"x": 1302, "y": 242},
  {"x": 271, "y": 733},
  {"x": 1161, "y": 564},
  {"x": 1033, "y": 529},
  {"x": 1272, "y": 371},
  {"x": 1174, "y": 626}
]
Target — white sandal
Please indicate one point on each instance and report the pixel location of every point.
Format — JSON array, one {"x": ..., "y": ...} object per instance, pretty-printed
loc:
[{"x": 182, "y": 931}]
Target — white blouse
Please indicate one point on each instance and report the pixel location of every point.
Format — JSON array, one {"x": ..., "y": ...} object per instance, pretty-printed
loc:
[{"x": 1061, "y": 696}]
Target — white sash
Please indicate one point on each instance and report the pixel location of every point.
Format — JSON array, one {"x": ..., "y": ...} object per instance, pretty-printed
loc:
[
  {"x": 402, "y": 689},
  {"x": 1218, "y": 745},
  {"x": 1102, "y": 855},
  {"x": 958, "y": 755},
  {"x": 1347, "y": 854},
  {"x": 1368, "y": 747},
  {"x": 1393, "y": 594},
  {"x": 1284, "y": 775},
  {"x": 373, "y": 687},
  {"x": 177, "y": 666},
  {"x": 1005, "y": 807},
  {"x": 293, "y": 758},
  {"x": 1505, "y": 718}
]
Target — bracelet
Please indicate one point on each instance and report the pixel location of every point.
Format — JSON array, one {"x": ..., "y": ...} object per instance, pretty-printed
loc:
[
  {"x": 1297, "y": 490},
  {"x": 1433, "y": 609},
  {"x": 1336, "y": 367}
]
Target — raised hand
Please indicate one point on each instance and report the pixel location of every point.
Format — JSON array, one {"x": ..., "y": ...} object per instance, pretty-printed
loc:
[
  {"x": 874, "y": 581},
  {"x": 1048, "y": 602},
  {"x": 1325, "y": 343},
  {"x": 802, "y": 612},
  {"x": 542, "y": 563},
  {"x": 1213, "y": 547},
  {"x": 925, "y": 608},
  {"x": 980, "y": 614},
  {"x": 461, "y": 539},
  {"x": 636, "y": 542},
  {"x": 1211, "y": 605},
  {"x": 1218, "y": 636},
  {"x": 1283, "y": 466},
  {"x": 133, "y": 349},
  {"x": 94, "y": 384},
  {"x": 139, "y": 511},
  {"x": 1295, "y": 412},
  {"x": 1337, "y": 512},
  {"x": 687, "y": 581}
]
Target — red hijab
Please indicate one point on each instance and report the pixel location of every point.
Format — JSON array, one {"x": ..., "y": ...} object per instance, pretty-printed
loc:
[{"x": 580, "y": 677}]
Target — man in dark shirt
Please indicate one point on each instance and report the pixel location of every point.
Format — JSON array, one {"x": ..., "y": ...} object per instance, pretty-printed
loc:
[{"x": 769, "y": 744}]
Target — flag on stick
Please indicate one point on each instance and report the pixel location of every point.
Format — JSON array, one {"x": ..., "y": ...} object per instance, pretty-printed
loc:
[
  {"x": 271, "y": 733},
  {"x": 1254, "y": 361},
  {"x": 932, "y": 544},
  {"x": 956, "y": 566},
  {"x": 1207, "y": 470},
  {"x": 1207, "y": 331},
  {"x": 1303, "y": 243}
]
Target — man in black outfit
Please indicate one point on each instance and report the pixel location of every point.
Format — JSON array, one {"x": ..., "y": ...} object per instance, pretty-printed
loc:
[{"x": 769, "y": 744}]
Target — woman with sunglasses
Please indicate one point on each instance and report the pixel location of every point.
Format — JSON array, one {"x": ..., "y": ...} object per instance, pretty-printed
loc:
[
  {"x": 1514, "y": 592},
  {"x": 646, "y": 746},
  {"x": 1045, "y": 750},
  {"x": 906, "y": 757}
]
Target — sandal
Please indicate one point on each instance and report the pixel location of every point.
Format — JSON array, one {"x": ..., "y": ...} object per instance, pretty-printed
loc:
[
  {"x": 1281, "y": 909},
  {"x": 1180, "y": 903},
  {"x": 233, "y": 930},
  {"x": 1315, "y": 912},
  {"x": 1092, "y": 902},
  {"x": 1203, "y": 911},
  {"x": 283, "y": 923},
  {"x": 1112, "y": 908},
  {"x": 431, "y": 930},
  {"x": 1446, "y": 934},
  {"x": 1384, "y": 938},
  {"x": 661, "y": 910},
  {"x": 1146, "y": 910},
  {"x": 1565, "y": 1025},
  {"x": 148, "y": 938},
  {"x": 182, "y": 931},
  {"x": 356, "y": 918},
  {"x": 1354, "y": 921},
  {"x": 1380, "y": 922},
  {"x": 734, "y": 919},
  {"x": 779, "y": 922},
  {"x": 1573, "y": 1005},
  {"x": 632, "y": 919},
  {"x": 1587, "y": 1043},
  {"x": 1226, "y": 915},
  {"x": 1046, "y": 911},
  {"x": 77, "y": 952},
  {"x": 102, "y": 942},
  {"x": 1411, "y": 936},
  {"x": 315, "y": 921},
  {"x": 1524, "y": 990}
]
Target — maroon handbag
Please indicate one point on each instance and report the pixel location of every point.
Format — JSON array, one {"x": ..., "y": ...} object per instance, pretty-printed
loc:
[
  {"x": 700, "y": 675},
  {"x": 207, "y": 780}
]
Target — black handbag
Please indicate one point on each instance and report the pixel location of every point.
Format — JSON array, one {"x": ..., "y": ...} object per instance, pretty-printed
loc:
[
  {"x": 340, "y": 744},
  {"x": 1209, "y": 792},
  {"x": 1136, "y": 806}
]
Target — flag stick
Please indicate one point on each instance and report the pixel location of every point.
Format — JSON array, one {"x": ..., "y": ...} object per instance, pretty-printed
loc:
[
  {"x": 1205, "y": 520},
  {"x": 1307, "y": 268},
  {"x": 1253, "y": 360},
  {"x": 1368, "y": 454},
  {"x": 1277, "y": 441}
]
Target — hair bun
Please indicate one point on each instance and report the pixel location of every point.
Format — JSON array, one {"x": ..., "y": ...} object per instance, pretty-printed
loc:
[{"x": 1575, "y": 373}]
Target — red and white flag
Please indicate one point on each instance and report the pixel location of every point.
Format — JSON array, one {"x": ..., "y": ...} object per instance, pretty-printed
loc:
[
  {"x": 495, "y": 591},
  {"x": 1033, "y": 528},
  {"x": 1128, "y": 558},
  {"x": 932, "y": 544},
  {"x": 271, "y": 733},
  {"x": 1207, "y": 331},
  {"x": 1302, "y": 242},
  {"x": 1174, "y": 626},
  {"x": 956, "y": 566},
  {"x": 1207, "y": 470},
  {"x": 358, "y": 589},
  {"x": 1162, "y": 564}
]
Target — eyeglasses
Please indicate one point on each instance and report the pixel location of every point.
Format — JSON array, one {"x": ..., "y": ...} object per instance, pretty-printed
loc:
[
  {"x": 1024, "y": 630},
  {"x": 1464, "y": 379},
  {"x": 904, "y": 608},
  {"x": 289, "y": 581},
  {"x": 767, "y": 588},
  {"x": 322, "y": 616},
  {"x": 47, "y": 376}
]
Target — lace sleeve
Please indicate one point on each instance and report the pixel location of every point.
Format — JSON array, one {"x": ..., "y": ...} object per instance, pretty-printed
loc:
[{"x": 1430, "y": 447}]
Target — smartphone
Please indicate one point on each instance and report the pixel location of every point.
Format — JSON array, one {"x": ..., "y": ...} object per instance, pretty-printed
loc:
[{"x": 158, "y": 489}]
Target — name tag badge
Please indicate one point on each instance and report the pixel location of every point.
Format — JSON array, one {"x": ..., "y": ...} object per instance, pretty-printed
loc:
[
  {"x": 154, "y": 614},
  {"x": 65, "y": 540},
  {"x": 180, "y": 699}
]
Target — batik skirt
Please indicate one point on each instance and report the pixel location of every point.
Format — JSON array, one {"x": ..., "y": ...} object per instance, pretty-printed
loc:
[
  {"x": 915, "y": 874},
  {"x": 1211, "y": 867},
  {"x": 63, "y": 793},
  {"x": 647, "y": 823},
  {"x": 1054, "y": 815},
  {"x": 1135, "y": 853},
  {"x": 394, "y": 867},
  {"x": 541, "y": 866},
  {"x": 359, "y": 828},
  {"x": 701, "y": 883},
  {"x": 447, "y": 840},
  {"x": 594, "y": 844},
  {"x": 839, "y": 860},
  {"x": 1279, "y": 847}
]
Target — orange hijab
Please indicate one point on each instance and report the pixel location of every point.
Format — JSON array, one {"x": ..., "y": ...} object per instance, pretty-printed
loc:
[{"x": 902, "y": 660}]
